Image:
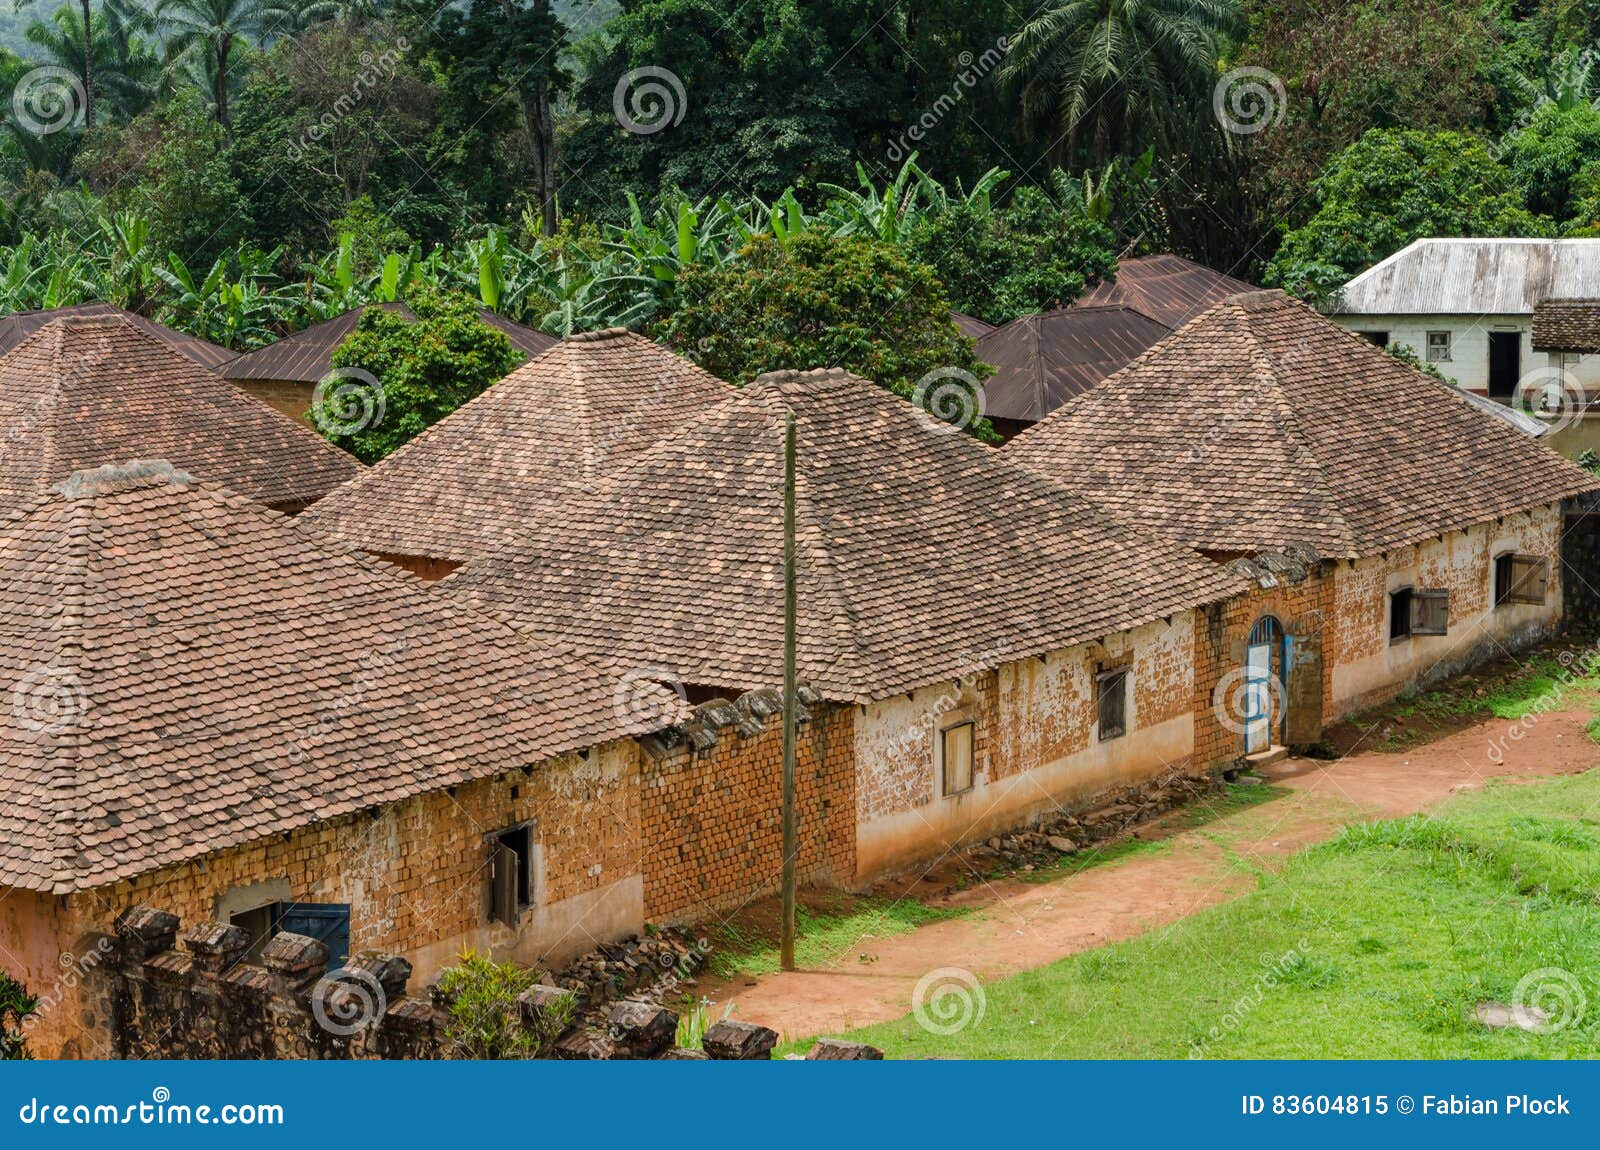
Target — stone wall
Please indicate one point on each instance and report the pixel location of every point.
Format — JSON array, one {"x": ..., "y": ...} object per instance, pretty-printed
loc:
[
  {"x": 175, "y": 993},
  {"x": 1580, "y": 567},
  {"x": 712, "y": 807}
]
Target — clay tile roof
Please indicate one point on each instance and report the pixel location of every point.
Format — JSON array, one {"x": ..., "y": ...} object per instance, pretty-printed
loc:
[
  {"x": 1262, "y": 424},
  {"x": 923, "y": 555},
  {"x": 1043, "y": 360},
  {"x": 585, "y": 407},
  {"x": 307, "y": 355},
  {"x": 188, "y": 673},
  {"x": 81, "y": 392},
  {"x": 18, "y": 326},
  {"x": 1167, "y": 288},
  {"x": 1571, "y": 325}
]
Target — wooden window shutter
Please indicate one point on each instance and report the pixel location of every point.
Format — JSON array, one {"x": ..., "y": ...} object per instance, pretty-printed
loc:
[
  {"x": 1430, "y": 612},
  {"x": 503, "y": 864},
  {"x": 1530, "y": 576}
]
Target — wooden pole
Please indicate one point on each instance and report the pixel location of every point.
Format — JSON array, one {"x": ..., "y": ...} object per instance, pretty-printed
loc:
[{"x": 791, "y": 846}]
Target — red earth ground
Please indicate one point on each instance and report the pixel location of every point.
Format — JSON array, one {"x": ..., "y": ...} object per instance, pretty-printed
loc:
[{"x": 1018, "y": 925}]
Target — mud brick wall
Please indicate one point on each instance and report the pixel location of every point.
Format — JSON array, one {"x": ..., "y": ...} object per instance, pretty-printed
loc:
[
  {"x": 1221, "y": 632},
  {"x": 895, "y": 742},
  {"x": 713, "y": 832}
]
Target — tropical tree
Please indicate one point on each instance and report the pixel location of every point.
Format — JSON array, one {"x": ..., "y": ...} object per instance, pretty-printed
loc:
[
  {"x": 211, "y": 36},
  {"x": 15, "y": 1005},
  {"x": 1391, "y": 187},
  {"x": 824, "y": 301},
  {"x": 1101, "y": 75},
  {"x": 123, "y": 64}
]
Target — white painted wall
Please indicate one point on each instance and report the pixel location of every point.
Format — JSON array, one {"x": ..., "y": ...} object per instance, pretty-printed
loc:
[{"x": 1469, "y": 338}]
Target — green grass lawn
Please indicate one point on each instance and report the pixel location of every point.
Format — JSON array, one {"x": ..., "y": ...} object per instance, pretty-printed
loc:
[{"x": 1378, "y": 944}]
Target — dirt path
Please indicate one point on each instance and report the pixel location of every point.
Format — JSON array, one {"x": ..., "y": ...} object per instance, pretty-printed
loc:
[{"x": 1018, "y": 925}]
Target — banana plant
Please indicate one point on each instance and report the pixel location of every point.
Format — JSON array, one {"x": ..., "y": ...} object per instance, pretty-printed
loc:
[{"x": 130, "y": 260}]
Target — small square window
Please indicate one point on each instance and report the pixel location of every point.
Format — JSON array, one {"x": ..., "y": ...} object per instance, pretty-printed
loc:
[
  {"x": 1400, "y": 615},
  {"x": 1438, "y": 347},
  {"x": 955, "y": 757},
  {"x": 1111, "y": 704},
  {"x": 1520, "y": 579}
]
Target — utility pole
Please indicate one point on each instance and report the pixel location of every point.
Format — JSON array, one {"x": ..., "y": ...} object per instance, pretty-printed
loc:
[{"x": 791, "y": 846}]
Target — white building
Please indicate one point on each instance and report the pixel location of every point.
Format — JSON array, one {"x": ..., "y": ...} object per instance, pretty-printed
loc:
[{"x": 1466, "y": 306}]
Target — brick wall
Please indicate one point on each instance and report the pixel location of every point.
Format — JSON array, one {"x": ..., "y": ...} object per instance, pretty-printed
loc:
[
  {"x": 291, "y": 397},
  {"x": 713, "y": 831},
  {"x": 1221, "y": 632},
  {"x": 414, "y": 874}
]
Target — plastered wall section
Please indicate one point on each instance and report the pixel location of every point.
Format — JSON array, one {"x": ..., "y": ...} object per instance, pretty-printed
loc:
[
  {"x": 1371, "y": 669},
  {"x": 1036, "y": 743},
  {"x": 415, "y": 876}
]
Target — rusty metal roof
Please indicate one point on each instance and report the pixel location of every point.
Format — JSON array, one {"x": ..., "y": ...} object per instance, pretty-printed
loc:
[
  {"x": 1044, "y": 360},
  {"x": 1165, "y": 287},
  {"x": 18, "y": 326},
  {"x": 971, "y": 326},
  {"x": 307, "y": 355}
]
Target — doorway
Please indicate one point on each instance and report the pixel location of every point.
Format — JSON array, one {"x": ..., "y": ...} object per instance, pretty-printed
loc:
[
  {"x": 1264, "y": 698},
  {"x": 1505, "y": 363}
]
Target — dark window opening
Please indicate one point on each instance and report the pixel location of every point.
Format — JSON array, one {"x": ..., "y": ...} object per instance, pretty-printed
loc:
[
  {"x": 327, "y": 922},
  {"x": 1111, "y": 704},
  {"x": 1376, "y": 338},
  {"x": 955, "y": 757},
  {"x": 510, "y": 874},
  {"x": 1400, "y": 615},
  {"x": 1520, "y": 579}
]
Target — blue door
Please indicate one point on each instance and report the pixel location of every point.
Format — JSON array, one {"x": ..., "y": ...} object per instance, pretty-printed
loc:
[{"x": 327, "y": 922}]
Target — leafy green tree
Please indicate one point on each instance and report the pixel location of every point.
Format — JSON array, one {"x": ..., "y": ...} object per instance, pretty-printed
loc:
[
  {"x": 425, "y": 369},
  {"x": 15, "y": 1005},
  {"x": 484, "y": 1017},
  {"x": 820, "y": 301},
  {"x": 1546, "y": 156},
  {"x": 1422, "y": 64},
  {"x": 1391, "y": 187},
  {"x": 1108, "y": 74},
  {"x": 125, "y": 66},
  {"x": 1033, "y": 254}
]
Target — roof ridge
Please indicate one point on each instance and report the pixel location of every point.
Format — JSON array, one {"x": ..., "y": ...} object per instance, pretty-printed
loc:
[
  {"x": 583, "y": 409},
  {"x": 72, "y": 656},
  {"x": 1288, "y": 417}
]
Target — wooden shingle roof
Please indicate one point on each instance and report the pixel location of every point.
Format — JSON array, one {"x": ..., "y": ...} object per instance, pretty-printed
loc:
[
  {"x": 187, "y": 673},
  {"x": 18, "y": 326},
  {"x": 922, "y": 554},
  {"x": 307, "y": 355},
  {"x": 1262, "y": 424},
  {"x": 82, "y": 392},
  {"x": 1567, "y": 325},
  {"x": 584, "y": 408}
]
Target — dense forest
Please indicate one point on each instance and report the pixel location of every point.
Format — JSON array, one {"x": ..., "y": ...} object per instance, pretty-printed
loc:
[{"x": 243, "y": 167}]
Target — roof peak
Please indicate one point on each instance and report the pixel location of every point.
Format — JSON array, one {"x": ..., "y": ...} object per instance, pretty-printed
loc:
[{"x": 114, "y": 477}]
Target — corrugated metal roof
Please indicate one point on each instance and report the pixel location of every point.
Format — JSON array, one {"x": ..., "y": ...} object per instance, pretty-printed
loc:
[
  {"x": 307, "y": 355},
  {"x": 1165, "y": 287},
  {"x": 18, "y": 326},
  {"x": 1044, "y": 360},
  {"x": 1464, "y": 276},
  {"x": 970, "y": 325}
]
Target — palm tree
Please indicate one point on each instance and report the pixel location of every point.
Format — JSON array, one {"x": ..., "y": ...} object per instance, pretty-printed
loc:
[
  {"x": 124, "y": 65},
  {"x": 1099, "y": 71},
  {"x": 207, "y": 37}
]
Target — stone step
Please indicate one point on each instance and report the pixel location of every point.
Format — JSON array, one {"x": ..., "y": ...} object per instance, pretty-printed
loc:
[{"x": 1267, "y": 757}]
